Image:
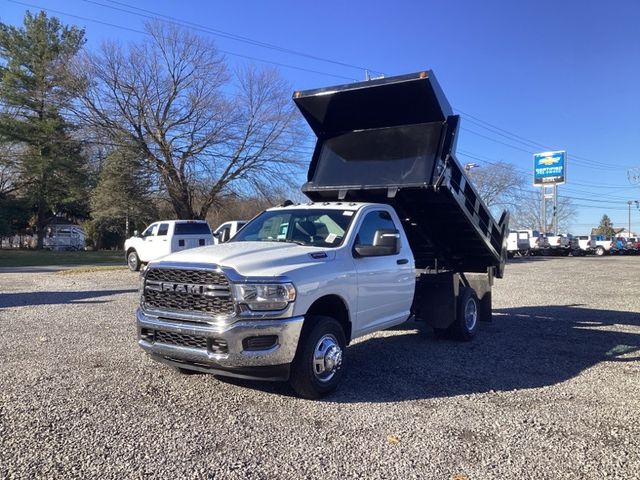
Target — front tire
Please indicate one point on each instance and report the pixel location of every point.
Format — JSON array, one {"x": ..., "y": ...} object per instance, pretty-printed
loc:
[
  {"x": 599, "y": 251},
  {"x": 318, "y": 365},
  {"x": 133, "y": 261}
]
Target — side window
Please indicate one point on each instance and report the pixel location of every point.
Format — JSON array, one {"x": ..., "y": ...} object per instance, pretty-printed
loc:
[
  {"x": 223, "y": 234},
  {"x": 163, "y": 229},
  {"x": 222, "y": 227},
  {"x": 372, "y": 222},
  {"x": 151, "y": 230}
]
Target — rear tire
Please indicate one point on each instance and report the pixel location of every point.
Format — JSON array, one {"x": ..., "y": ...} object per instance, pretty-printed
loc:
[
  {"x": 465, "y": 326},
  {"x": 599, "y": 251},
  {"x": 133, "y": 261},
  {"x": 318, "y": 365}
]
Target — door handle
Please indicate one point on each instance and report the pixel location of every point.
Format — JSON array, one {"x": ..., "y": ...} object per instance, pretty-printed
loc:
[{"x": 402, "y": 261}]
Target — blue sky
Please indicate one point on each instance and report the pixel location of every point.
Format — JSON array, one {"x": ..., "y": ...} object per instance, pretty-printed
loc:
[{"x": 560, "y": 74}]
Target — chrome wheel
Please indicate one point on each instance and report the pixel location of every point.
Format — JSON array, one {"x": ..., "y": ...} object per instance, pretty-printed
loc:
[
  {"x": 470, "y": 314},
  {"x": 327, "y": 358},
  {"x": 133, "y": 262}
]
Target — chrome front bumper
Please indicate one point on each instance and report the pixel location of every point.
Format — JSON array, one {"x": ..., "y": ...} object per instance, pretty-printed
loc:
[{"x": 236, "y": 361}]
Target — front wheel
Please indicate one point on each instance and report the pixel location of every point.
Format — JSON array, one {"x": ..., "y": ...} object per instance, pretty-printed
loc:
[
  {"x": 318, "y": 365},
  {"x": 133, "y": 261},
  {"x": 599, "y": 251}
]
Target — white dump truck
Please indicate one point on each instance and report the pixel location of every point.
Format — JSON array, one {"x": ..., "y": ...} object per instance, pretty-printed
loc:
[{"x": 393, "y": 230}]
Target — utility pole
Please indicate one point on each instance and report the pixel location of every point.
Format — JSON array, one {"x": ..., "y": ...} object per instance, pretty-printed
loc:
[
  {"x": 543, "y": 230},
  {"x": 629, "y": 202},
  {"x": 555, "y": 209}
]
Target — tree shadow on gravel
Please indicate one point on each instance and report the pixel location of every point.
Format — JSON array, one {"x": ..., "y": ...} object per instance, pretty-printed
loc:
[
  {"x": 57, "y": 298},
  {"x": 525, "y": 347}
]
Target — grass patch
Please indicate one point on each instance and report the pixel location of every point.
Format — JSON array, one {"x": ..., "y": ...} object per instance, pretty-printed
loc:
[{"x": 39, "y": 258}]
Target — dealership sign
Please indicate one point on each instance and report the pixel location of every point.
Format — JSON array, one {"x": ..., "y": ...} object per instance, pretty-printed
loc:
[{"x": 549, "y": 168}]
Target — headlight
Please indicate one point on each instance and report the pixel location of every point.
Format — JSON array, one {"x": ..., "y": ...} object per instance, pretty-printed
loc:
[{"x": 265, "y": 296}]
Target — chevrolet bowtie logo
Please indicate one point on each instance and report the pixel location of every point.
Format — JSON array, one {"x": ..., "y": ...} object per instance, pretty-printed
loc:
[{"x": 549, "y": 161}]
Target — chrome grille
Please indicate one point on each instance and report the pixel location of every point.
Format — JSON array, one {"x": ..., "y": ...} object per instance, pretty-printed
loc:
[
  {"x": 202, "y": 277},
  {"x": 203, "y": 291},
  {"x": 180, "y": 339}
]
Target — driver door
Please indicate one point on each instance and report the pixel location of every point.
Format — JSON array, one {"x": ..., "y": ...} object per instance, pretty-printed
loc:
[
  {"x": 385, "y": 283},
  {"x": 147, "y": 252}
]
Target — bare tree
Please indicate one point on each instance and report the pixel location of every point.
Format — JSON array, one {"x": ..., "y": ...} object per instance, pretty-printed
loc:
[
  {"x": 528, "y": 213},
  {"x": 498, "y": 184},
  {"x": 203, "y": 130},
  {"x": 10, "y": 182},
  {"x": 501, "y": 186}
]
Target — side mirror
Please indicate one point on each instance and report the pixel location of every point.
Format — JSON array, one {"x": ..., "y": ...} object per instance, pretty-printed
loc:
[{"x": 385, "y": 242}]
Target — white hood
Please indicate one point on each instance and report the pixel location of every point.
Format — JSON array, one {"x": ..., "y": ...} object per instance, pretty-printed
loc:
[{"x": 253, "y": 258}]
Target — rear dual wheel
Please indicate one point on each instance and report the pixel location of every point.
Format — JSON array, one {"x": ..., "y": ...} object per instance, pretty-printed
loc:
[{"x": 465, "y": 325}]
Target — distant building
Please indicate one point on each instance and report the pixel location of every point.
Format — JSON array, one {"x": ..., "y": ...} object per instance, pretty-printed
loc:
[{"x": 618, "y": 232}]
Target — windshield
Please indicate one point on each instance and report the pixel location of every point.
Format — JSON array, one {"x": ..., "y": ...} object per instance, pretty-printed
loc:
[{"x": 317, "y": 227}]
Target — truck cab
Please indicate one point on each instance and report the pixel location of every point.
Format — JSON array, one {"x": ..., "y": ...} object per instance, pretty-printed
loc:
[
  {"x": 227, "y": 231},
  {"x": 372, "y": 248},
  {"x": 162, "y": 238}
]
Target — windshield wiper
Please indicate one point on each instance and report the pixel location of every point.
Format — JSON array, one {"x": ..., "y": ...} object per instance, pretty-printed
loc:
[{"x": 297, "y": 242}]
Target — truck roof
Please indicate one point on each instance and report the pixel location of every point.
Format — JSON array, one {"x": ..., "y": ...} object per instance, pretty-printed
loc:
[
  {"x": 325, "y": 205},
  {"x": 180, "y": 221}
]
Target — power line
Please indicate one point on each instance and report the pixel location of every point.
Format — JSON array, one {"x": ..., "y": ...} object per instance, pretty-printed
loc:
[
  {"x": 150, "y": 14},
  {"x": 494, "y": 162},
  {"x": 523, "y": 140},
  {"x": 248, "y": 57},
  {"x": 496, "y": 130}
]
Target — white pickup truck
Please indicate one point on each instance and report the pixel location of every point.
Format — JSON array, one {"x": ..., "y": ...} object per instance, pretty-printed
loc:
[
  {"x": 518, "y": 243},
  {"x": 602, "y": 245},
  {"x": 162, "y": 238},
  {"x": 558, "y": 244},
  {"x": 283, "y": 298},
  {"x": 538, "y": 243}
]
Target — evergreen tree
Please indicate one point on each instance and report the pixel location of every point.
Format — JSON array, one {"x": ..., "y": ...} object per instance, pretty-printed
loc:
[
  {"x": 35, "y": 91},
  {"x": 606, "y": 227},
  {"x": 121, "y": 200},
  {"x": 14, "y": 216}
]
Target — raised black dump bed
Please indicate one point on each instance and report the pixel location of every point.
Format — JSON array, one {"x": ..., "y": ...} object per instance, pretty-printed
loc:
[{"x": 393, "y": 141}]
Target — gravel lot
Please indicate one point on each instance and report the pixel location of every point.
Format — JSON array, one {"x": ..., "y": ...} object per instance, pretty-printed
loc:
[{"x": 550, "y": 389}]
